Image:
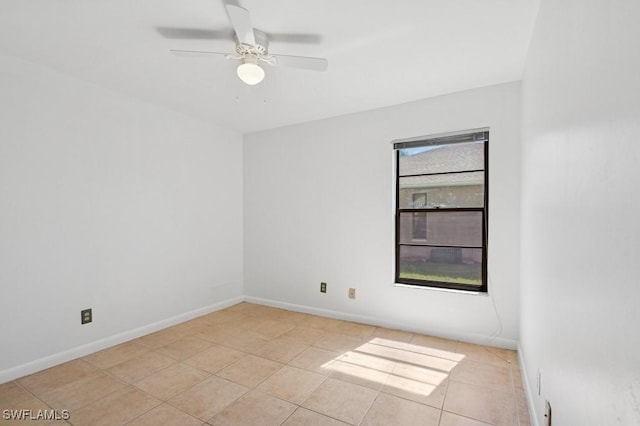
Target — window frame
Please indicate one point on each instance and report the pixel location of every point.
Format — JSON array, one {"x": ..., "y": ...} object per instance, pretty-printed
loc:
[{"x": 437, "y": 140}]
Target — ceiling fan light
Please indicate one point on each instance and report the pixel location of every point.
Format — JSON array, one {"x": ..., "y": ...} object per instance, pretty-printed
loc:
[{"x": 250, "y": 72}]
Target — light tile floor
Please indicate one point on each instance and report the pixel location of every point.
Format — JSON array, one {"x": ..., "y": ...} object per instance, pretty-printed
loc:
[{"x": 256, "y": 365}]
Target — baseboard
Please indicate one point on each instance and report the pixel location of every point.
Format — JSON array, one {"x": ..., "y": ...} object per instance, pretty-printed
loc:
[
  {"x": 86, "y": 349},
  {"x": 499, "y": 342},
  {"x": 527, "y": 387}
]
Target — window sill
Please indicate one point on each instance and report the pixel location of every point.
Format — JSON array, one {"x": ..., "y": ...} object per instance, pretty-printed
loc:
[{"x": 444, "y": 290}]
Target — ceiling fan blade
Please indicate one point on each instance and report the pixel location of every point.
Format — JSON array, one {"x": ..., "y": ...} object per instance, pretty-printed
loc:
[
  {"x": 302, "y": 62},
  {"x": 300, "y": 38},
  {"x": 180, "y": 33},
  {"x": 241, "y": 21},
  {"x": 196, "y": 53},
  {"x": 194, "y": 33}
]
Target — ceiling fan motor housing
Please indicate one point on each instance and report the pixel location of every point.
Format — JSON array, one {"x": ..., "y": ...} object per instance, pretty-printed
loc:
[{"x": 261, "y": 47}]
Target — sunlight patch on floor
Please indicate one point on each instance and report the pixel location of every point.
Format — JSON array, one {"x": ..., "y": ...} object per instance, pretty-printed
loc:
[
  {"x": 402, "y": 355},
  {"x": 404, "y": 366},
  {"x": 426, "y": 350}
]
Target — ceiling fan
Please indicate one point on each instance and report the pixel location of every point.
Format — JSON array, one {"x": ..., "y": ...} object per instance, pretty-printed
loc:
[{"x": 252, "y": 49}]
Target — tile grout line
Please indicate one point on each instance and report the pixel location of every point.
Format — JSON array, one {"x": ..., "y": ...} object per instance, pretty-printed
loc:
[
  {"x": 322, "y": 414},
  {"x": 364, "y": 416},
  {"x": 466, "y": 417}
]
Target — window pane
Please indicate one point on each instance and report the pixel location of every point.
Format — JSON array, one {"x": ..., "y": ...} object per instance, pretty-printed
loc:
[
  {"x": 418, "y": 225},
  {"x": 442, "y": 158},
  {"x": 442, "y": 264},
  {"x": 453, "y": 190},
  {"x": 441, "y": 228}
]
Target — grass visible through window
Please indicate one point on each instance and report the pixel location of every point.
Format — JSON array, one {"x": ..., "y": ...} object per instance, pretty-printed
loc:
[{"x": 442, "y": 272}]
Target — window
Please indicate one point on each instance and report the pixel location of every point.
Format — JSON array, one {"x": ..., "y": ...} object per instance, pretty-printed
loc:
[{"x": 441, "y": 210}]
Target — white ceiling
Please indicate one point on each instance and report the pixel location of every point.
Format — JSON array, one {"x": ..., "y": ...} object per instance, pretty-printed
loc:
[{"x": 380, "y": 52}]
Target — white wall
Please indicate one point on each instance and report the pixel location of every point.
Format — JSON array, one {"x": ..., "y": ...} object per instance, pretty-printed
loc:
[
  {"x": 318, "y": 202},
  {"x": 109, "y": 203},
  {"x": 581, "y": 212}
]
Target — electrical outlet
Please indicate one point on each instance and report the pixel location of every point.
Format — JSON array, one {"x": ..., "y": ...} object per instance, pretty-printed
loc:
[
  {"x": 85, "y": 316},
  {"x": 323, "y": 287},
  {"x": 547, "y": 413},
  {"x": 352, "y": 293}
]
